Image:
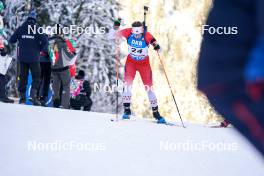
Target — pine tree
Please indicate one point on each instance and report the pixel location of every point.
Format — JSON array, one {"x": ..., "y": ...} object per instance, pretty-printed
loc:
[{"x": 96, "y": 52}]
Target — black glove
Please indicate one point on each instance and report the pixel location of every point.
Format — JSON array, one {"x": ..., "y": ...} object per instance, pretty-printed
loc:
[
  {"x": 157, "y": 47},
  {"x": 117, "y": 23},
  {"x": 3, "y": 51}
]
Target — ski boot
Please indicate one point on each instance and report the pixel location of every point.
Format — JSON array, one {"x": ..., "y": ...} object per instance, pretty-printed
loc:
[
  {"x": 6, "y": 100},
  {"x": 157, "y": 116},
  {"x": 127, "y": 111},
  {"x": 34, "y": 101},
  {"x": 22, "y": 99},
  {"x": 56, "y": 103},
  {"x": 43, "y": 101},
  {"x": 33, "y": 98}
]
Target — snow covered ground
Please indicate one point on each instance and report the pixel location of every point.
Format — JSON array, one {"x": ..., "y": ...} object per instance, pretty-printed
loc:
[{"x": 53, "y": 142}]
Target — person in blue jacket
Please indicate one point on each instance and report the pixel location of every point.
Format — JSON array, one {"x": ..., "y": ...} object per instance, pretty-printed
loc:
[
  {"x": 231, "y": 65},
  {"x": 30, "y": 45}
]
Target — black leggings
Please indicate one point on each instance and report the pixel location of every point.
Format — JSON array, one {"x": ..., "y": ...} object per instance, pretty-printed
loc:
[
  {"x": 2, "y": 86},
  {"x": 45, "y": 79},
  {"x": 34, "y": 68}
]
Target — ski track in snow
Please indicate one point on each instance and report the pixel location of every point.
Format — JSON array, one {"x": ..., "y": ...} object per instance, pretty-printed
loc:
[{"x": 132, "y": 148}]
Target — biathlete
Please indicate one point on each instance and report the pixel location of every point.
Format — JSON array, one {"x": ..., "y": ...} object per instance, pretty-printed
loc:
[{"x": 138, "y": 60}]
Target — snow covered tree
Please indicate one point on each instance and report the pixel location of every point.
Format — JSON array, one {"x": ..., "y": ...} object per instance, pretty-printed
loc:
[{"x": 96, "y": 54}]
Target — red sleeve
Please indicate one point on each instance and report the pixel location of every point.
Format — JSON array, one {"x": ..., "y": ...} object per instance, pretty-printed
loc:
[
  {"x": 149, "y": 38},
  {"x": 125, "y": 32}
]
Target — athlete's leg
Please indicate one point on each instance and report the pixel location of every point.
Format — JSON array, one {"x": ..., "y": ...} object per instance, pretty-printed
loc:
[
  {"x": 145, "y": 72},
  {"x": 146, "y": 75},
  {"x": 130, "y": 73}
]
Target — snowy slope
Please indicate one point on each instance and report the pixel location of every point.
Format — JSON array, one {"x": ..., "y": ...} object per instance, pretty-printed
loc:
[{"x": 122, "y": 148}]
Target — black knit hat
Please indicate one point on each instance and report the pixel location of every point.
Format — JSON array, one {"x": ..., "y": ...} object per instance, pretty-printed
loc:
[
  {"x": 137, "y": 24},
  {"x": 81, "y": 74}
]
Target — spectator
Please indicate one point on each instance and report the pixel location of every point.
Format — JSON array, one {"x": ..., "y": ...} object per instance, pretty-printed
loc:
[
  {"x": 3, "y": 94},
  {"x": 29, "y": 47},
  {"x": 230, "y": 68},
  {"x": 80, "y": 93},
  {"x": 63, "y": 54}
]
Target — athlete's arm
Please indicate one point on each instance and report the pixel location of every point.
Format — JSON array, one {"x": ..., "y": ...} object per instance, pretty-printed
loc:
[
  {"x": 125, "y": 32},
  {"x": 115, "y": 32},
  {"x": 151, "y": 40}
]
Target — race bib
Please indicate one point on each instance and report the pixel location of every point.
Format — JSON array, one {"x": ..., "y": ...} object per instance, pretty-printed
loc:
[{"x": 137, "y": 47}]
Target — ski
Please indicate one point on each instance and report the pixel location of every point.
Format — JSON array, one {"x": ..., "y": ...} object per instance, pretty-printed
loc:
[
  {"x": 168, "y": 124},
  {"x": 120, "y": 119},
  {"x": 114, "y": 119},
  {"x": 216, "y": 126}
]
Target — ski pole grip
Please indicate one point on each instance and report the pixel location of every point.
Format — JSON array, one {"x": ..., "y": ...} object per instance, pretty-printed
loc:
[{"x": 146, "y": 8}]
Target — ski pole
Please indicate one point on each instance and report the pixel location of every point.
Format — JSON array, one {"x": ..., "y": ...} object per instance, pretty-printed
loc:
[
  {"x": 145, "y": 18},
  {"x": 171, "y": 89},
  {"x": 117, "y": 75}
]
